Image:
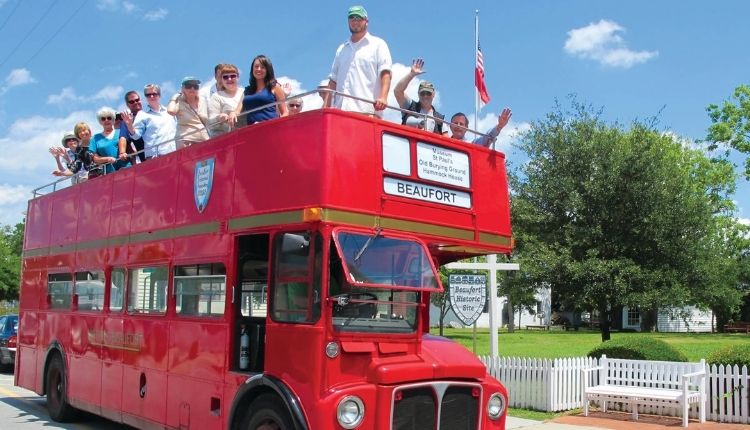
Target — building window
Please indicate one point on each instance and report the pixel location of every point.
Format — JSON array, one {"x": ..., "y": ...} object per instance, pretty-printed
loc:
[
  {"x": 634, "y": 317},
  {"x": 148, "y": 290},
  {"x": 200, "y": 289}
]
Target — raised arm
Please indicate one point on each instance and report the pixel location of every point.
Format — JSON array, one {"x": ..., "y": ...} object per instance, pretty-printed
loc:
[
  {"x": 400, "y": 90},
  {"x": 174, "y": 104},
  {"x": 494, "y": 132},
  {"x": 278, "y": 92}
]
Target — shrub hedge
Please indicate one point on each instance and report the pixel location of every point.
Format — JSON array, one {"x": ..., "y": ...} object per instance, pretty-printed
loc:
[
  {"x": 732, "y": 355},
  {"x": 638, "y": 348}
]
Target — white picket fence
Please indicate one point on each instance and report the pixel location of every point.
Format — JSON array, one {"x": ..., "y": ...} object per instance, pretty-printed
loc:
[{"x": 554, "y": 385}]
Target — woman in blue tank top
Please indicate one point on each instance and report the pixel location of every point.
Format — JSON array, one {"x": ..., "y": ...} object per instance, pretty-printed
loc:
[{"x": 263, "y": 90}]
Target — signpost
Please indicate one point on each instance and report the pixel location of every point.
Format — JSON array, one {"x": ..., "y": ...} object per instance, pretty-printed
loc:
[
  {"x": 492, "y": 266},
  {"x": 468, "y": 295}
]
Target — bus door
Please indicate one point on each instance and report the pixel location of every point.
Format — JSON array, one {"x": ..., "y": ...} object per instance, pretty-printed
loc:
[
  {"x": 295, "y": 337},
  {"x": 251, "y": 304}
]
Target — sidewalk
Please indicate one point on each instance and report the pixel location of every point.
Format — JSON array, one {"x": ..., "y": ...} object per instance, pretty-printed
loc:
[
  {"x": 622, "y": 421},
  {"x": 524, "y": 424},
  {"x": 615, "y": 421}
]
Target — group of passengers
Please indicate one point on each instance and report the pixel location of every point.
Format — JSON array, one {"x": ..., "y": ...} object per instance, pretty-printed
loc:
[
  {"x": 361, "y": 68},
  {"x": 147, "y": 130}
]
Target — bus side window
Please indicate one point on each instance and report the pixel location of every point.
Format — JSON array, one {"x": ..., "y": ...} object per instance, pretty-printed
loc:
[
  {"x": 116, "y": 289},
  {"x": 59, "y": 290},
  {"x": 89, "y": 287},
  {"x": 293, "y": 298},
  {"x": 200, "y": 289},
  {"x": 147, "y": 290}
]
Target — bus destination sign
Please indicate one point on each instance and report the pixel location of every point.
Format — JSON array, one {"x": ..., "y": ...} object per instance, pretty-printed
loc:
[
  {"x": 443, "y": 165},
  {"x": 428, "y": 193}
]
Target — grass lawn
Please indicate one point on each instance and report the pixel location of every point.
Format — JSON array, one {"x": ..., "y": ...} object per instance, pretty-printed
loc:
[{"x": 554, "y": 344}]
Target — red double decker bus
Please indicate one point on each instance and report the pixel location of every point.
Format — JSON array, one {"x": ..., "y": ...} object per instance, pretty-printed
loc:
[{"x": 278, "y": 276}]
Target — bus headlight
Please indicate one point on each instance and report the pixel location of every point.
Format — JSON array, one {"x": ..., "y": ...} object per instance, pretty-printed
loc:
[
  {"x": 350, "y": 412},
  {"x": 495, "y": 406}
]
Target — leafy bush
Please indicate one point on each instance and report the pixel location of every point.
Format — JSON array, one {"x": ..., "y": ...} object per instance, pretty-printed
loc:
[
  {"x": 732, "y": 355},
  {"x": 638, "y": 348}
]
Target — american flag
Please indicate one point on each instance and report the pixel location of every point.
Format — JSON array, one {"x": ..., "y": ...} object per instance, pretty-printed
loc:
[{"x": 479, "y": 77}]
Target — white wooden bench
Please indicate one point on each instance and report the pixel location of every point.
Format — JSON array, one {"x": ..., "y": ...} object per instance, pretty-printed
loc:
[{"x": 651, "y": 383}]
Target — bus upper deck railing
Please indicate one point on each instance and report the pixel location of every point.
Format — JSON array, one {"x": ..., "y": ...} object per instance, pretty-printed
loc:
[{"x": 420, "y": 117}]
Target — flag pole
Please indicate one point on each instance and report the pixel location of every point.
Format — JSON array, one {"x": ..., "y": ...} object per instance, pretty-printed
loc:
[{"x": 476, "y": 60}]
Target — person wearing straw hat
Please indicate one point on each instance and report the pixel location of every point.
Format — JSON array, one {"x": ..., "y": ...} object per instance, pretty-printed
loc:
[{"x": 361, "y": 68}]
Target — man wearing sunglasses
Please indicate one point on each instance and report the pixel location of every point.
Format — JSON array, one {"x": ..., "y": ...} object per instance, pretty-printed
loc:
[
  {"x": 361, "y": 68},
  {"x": 423, "y": 105},
  {"x": 153, "y": 124},
  {"x": 295, "y": 106},
  {"x": 133, "y": 102}
]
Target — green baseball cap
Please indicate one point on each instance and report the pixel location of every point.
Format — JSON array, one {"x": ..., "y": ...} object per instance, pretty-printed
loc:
[{"x": 357, "y": 11}]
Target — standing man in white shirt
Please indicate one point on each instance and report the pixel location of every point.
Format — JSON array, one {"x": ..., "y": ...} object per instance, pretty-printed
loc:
[
  {"x": 362, "y": 68},
  {"x": 153, "y": 124}
]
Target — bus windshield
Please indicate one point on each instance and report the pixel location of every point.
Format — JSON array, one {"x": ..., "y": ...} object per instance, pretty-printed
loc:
[
  {"x": 375, "y": 283},
  {"x": 377, "y": 261}
]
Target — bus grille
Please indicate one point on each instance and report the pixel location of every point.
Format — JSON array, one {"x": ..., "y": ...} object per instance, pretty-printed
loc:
[{"x": 416, "y": 407}]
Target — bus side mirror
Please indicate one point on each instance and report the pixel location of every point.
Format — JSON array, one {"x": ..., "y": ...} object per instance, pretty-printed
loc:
[
  {"x": 49, "y": 300},
  {"x": 75, "y": 301}
]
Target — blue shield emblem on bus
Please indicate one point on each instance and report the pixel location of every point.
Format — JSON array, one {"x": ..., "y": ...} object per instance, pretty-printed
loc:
[{"x": 203, "y": 182}]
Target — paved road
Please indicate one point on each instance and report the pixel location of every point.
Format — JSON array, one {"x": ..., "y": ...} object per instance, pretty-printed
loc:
[{"x": 25, "y": 410}]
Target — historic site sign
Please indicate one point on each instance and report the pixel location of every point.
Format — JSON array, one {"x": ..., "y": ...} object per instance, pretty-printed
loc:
[{"x": 468, "y": 294}]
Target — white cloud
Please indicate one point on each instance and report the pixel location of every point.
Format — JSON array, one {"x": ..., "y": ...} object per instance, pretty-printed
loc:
[
  {"x": 116, "y": 6},
  {"x": 602, "y": 42},
  {"x": 156, "y": 15},
  {"x": 29, "y": 165},
  {"x": 744, "y": 221},
  {"x": 18, "y": 77},
  {"x": 68, "y": 95},
  {"x": 13, "y": 194},
  {"x": 128, "y": 7},
  {"x": 108, "y": 5},
  {"x": 108, "y": 93}
]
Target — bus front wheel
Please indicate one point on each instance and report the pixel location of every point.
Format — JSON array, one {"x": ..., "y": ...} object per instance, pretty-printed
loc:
[
  {"x": 267, "y": 412},
  {"x": 57, "y": 393}
]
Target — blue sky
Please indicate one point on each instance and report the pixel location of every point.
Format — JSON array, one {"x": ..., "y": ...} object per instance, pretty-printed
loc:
[{"x": 62, "y": 60}]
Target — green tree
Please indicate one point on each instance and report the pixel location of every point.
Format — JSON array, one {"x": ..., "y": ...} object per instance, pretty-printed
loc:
[
  {"x": 442, "y": 300},
  {"x": 11, "y": 245},
  {"x": 519, "y": 290},
  {"x": 613, "y": 217},
  {"x": 730, "y": 123}
]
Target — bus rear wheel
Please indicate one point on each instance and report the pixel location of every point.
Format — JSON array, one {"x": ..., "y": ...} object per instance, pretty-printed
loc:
[
  {"x": 267, "y": 412},
  {"x": 57, "y": 394}
]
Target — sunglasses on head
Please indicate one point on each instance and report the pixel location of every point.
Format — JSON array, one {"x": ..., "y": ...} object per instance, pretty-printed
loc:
[
  {"x": 191, "y": 86},
  {"x": 152, "y": 94},
  {"x": 134, "y": 101},
  {"x": 228, "y": 77},
  {"x": 105, "y": 118}
]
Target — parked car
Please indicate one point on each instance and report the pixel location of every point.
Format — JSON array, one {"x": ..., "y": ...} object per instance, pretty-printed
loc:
[{"x": 8, "y": 340}]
